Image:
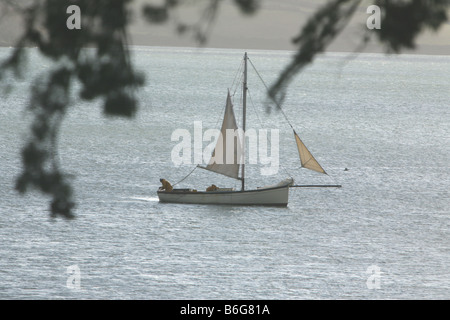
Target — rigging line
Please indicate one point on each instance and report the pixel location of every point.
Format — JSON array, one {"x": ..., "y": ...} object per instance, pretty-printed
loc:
[
  {"x": 260, "y": 123},
  {"x": 279, "y": 107},
  {"x": 267, "y": 88},
  {"x": 186, "y": 176},
  {"x": 236, "y": 82},
  {"x": 237, "y": 86},
  {"x": 219, "y": 116},
  {"x": 236, "y": 77},
  {"x": 277, "y": 104},
  {"x": 253, "y": 106},
  {"x": 239, "y": 100}
]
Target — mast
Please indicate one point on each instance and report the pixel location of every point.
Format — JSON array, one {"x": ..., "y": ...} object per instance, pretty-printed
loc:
[{"x": 244, "y": 106}]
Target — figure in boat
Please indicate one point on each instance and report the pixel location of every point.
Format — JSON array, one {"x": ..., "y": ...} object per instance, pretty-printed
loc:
[{"x": 166, "y": 186}]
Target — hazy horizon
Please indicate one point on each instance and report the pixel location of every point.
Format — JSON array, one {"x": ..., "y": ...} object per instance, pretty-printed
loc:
[{"x": 272, "y": 27}]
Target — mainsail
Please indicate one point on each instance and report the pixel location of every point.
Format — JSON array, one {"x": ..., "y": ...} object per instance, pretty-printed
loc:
[
  {"x": 226, "y": 157},
  {"x": 306, "y": 158}
]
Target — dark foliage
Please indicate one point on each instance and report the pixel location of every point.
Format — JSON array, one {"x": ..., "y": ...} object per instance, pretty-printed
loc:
[
  {"x": 94, "y": 55},
  {"x": 402, "y": 21}
]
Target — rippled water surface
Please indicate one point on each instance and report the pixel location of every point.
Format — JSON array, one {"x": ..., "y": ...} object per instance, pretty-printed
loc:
[{"x": 383, "y": 235}]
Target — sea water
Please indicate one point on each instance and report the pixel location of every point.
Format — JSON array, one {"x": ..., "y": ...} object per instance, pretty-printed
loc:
[{"x": 379, "y": 125}]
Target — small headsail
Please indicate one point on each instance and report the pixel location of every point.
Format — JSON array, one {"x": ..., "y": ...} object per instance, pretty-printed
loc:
[
  {"x": 226, "y": 157},
  {"x": 306, "y": 158}
]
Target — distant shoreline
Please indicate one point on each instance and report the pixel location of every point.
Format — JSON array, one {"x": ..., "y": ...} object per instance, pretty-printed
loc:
[{"x": 419, "y": 51}]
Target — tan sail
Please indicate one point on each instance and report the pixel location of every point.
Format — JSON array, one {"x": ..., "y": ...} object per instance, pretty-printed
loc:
[
  {"x": 226, "y": 157},
  {"x": 306, "y": 158}
]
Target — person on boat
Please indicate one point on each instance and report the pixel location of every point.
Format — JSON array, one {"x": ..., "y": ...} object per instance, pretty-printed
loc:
[
  {"x": 212, "y": 188},
  {"x": 166, "y": 186}
]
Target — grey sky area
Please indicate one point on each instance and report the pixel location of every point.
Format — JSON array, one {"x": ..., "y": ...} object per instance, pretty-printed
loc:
[{"x": 272, "y": 27}]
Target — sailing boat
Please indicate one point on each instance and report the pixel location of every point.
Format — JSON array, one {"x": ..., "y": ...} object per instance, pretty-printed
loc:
[{"x": 229, "y": 161}]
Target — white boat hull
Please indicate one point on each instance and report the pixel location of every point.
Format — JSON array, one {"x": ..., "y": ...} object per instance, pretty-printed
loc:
[{"x": 275, "y": 195}]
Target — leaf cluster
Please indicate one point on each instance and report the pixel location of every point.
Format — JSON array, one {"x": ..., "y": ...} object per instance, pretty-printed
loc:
[{"x": 96, "y": 56}]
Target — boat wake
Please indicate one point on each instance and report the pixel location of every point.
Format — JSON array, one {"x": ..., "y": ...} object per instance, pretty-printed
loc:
[{"x": 144, "y": 199}]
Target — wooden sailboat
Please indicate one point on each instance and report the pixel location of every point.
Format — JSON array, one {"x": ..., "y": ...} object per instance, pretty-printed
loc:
[{"x": 274, "y": 195}]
